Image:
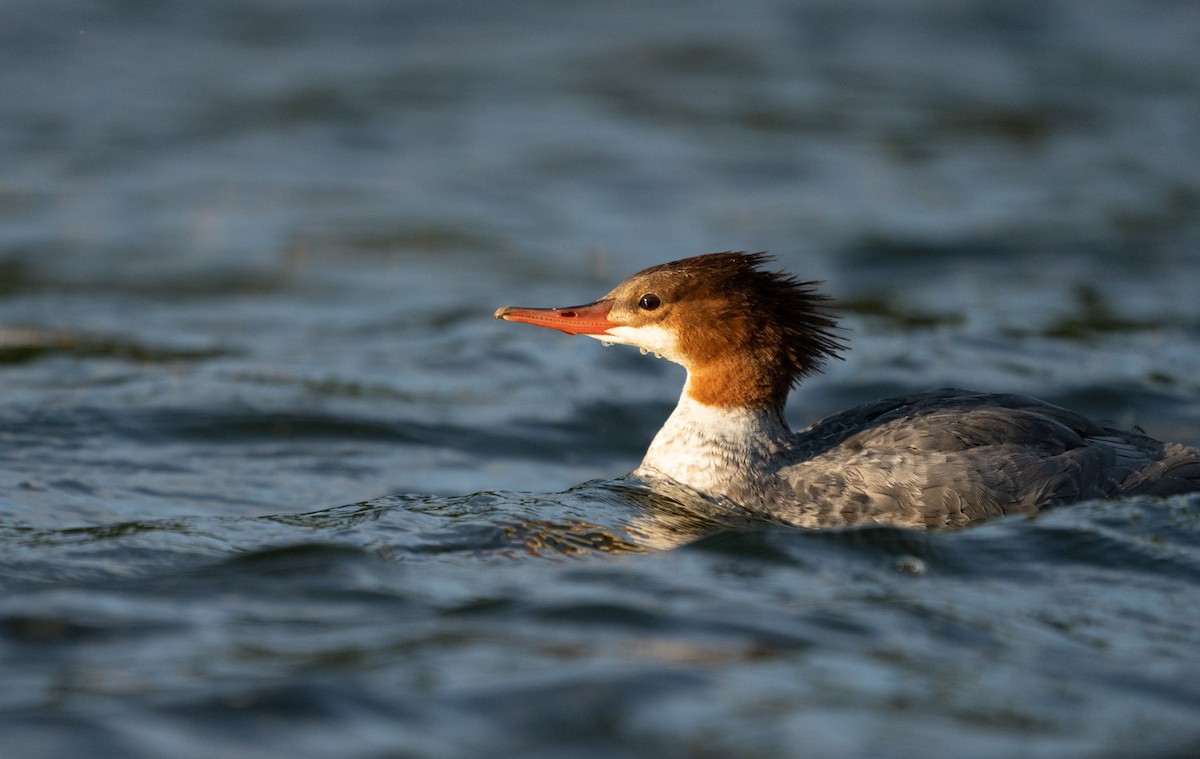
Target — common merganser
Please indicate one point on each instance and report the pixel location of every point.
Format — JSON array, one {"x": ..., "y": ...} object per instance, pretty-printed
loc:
[{"x": 948, "y": 457}]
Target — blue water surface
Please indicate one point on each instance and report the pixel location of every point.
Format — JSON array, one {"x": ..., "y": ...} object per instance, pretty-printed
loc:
[{"x": 273, "y": 483}]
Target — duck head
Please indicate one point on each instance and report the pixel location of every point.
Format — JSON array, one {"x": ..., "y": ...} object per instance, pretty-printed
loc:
[{"x": 745, "y": 335}]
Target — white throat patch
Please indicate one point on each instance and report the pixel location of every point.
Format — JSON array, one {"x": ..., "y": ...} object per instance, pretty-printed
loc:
[{"x": 651, "y": 338}]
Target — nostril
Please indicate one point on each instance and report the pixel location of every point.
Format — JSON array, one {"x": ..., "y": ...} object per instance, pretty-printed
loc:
[{"x": 568, "y": 314}]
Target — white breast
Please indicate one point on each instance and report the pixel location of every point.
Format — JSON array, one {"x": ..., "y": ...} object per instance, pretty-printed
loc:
[{"x": 721, "y": 451}]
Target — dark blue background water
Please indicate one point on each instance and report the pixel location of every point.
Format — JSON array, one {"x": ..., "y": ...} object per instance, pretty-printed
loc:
[{"x": 248, "y": 257}]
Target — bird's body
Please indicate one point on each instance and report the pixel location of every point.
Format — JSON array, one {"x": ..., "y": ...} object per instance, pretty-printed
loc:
[{"x": 942, "y": 458}]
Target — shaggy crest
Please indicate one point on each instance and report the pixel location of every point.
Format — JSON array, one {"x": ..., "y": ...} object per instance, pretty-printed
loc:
[{"x": 785, "y": 323}]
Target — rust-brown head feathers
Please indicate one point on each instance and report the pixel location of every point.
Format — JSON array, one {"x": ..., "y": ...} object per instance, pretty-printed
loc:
[{"x": 780, "y": 323}]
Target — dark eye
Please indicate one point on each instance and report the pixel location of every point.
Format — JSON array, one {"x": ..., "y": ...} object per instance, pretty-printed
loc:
[{"x": 649, "y": 302}]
